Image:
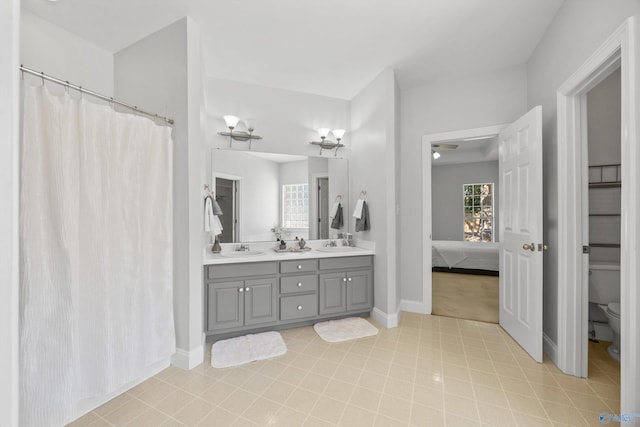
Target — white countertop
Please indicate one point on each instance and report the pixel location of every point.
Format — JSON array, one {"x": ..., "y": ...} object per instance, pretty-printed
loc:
[{"x": 269, "y": 254}]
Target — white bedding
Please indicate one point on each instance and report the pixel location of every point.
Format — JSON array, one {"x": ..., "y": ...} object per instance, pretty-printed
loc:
[{"x": 470, "y": 255}]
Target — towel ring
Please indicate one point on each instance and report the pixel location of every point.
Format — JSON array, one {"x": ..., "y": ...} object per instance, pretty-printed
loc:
[
  {"x": 338, "y": 199},
  {"x": 363, "y": 195}
]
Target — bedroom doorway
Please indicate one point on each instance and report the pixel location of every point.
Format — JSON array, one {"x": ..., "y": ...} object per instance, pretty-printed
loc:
[{"x": 464, "y": 189}]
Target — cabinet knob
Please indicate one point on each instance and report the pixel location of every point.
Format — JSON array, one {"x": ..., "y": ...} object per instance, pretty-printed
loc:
[
  {"x": 247, "y": 289},
  {"x": 299, "y": 284},
  {"x": 299, "y": 308},
  {"x": 241, "y": 290},
  {"x": 349, "y": 279},
  {"x": 299, "y": 267},
  {"x": 344, "y": 279}
]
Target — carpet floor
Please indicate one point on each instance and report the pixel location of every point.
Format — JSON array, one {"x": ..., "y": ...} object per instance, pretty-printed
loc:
[{"x": 466, "y": 296}]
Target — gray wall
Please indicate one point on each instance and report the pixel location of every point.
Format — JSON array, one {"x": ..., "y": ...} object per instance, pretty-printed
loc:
[
  {"x": 9, "y": 87},
  {"x": 162, "y": 72},
  {"x": 446, "y": 186},
  {"x": 372, "y": 168},
  {"x": 462, "y": 103},
  {"x": 579, "y": 28},
  {"x": 604, "y": 115}
]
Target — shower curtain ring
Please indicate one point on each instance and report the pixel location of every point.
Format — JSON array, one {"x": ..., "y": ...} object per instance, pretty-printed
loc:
[
  {"x": 66, "y": 86},
  {"x": 42, "y": 77}
]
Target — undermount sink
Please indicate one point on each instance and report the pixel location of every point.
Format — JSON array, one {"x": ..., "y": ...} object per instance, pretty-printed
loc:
[
  {"x": 241, "y": 254},
  {"x": 337, "y": 249}
]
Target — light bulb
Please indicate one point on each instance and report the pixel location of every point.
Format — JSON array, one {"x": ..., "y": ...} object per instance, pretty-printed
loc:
[
  {"x": 338, "y": 133},
  {"x": 231, "y": 121},
  {"x": 323, "y": 132}
]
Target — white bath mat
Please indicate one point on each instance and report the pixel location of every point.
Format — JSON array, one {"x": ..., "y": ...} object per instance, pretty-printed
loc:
[
  {"x": 246, "y": 349},
  {"x": 345, "y": 329}
]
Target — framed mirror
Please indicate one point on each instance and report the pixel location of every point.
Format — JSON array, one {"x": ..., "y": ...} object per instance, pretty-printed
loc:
[{"x": 265, "y": 196}]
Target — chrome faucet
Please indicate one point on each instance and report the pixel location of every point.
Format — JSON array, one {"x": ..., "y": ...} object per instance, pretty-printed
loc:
[
  {"x": 243, "y": 247},
  {"x": 331, "y": 243}
]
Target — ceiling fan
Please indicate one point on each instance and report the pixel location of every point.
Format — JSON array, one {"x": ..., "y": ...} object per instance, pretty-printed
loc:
[
  {"x": 436, "y": 147},
  {"x": 444, "y": 146}
]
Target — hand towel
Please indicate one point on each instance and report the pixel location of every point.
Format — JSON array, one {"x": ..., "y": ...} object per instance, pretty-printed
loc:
[
  {"x": 215, "y": 206},
  {"x": 363, "y": 224},
  {"x": 334, "y": 210},
  {"x": 357, "y": 212},
  {"x": 208, "y": 213},
  {"x": 337, "y": 221},
  {"x": 216, "y": 226}
]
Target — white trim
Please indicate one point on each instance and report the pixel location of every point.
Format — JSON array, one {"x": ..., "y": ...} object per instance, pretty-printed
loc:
[
  {"x": 550, "y": 348},
  {"x": 621, "y": 48},
  {"x": 188, "y": 360},
  {"x": 386, "y": 320},
  {"x": 413, "y": 307},
  {"x": 87, "y": 405},
  {"x": 427, "y": 140}
]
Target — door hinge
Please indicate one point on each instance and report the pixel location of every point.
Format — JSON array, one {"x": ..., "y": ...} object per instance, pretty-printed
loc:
[{"x": 586, "y": 250}]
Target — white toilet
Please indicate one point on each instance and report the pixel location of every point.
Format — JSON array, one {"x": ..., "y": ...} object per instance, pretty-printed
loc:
[
  {"x": 604, "y": 290},
  {"x": 612, "y": 311}
]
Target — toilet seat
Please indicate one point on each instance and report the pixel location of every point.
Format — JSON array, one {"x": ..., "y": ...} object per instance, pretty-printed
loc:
[{"x": 614, "y": 309}]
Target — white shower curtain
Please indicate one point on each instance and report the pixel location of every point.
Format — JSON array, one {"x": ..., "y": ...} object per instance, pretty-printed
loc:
[{"x": 96, "y": 252}]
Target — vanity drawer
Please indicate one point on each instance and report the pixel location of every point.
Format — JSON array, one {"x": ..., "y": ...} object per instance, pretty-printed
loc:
[
  {"x": 298, "y": 307},
  {"x": 346, "y": 262},
  {"x": 215, "y": 272},
  {"x": 297, "y": 284},
  {"x": 298, "y": 266}
]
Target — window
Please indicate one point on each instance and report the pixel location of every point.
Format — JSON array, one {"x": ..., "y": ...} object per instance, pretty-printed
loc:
[
  {"x": 478, "y": 212},
  {"x": 295, "y": 205}
]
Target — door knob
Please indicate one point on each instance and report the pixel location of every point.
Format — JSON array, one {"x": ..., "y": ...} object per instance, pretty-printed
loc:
[
  {"x": 542, "y": 247},
  {"x": 529, "y": 247}
]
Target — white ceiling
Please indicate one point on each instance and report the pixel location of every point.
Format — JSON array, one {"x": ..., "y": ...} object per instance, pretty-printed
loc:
[{"x": 329, "y": 47}]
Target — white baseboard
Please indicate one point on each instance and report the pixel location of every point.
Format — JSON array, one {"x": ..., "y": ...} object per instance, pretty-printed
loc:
[
  {"x": 413, "y": 306},
  {"x": 550, "y": 348},
  {"x": 188, "y": 360},
  {"x": 386, "y": 320},
  {"x": 87, "y": 405}
]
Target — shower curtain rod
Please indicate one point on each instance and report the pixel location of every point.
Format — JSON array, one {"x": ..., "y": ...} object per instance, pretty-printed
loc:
[{"x": 80, "y": 89}]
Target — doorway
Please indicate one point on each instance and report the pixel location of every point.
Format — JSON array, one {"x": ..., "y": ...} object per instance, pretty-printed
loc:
[
  {"x": 465, "y": 241},
  {"x": 323, "y": 207},
  {"x": 520, "y": 230},
  {"x": 620, "y": 50},
  {"x": 227, "y": 198}
]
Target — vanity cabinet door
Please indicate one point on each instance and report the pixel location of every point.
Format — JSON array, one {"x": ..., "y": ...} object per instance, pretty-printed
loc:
[
  {"x": 333, "y": 293},
  {"x": 260, "y": 301},
  {"x": 225, "y": 305},
  {"x": 359, "y": 290}
]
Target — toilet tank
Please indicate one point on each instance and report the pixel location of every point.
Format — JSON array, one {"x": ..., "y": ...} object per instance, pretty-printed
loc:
[{"x": 604, "y": 282}]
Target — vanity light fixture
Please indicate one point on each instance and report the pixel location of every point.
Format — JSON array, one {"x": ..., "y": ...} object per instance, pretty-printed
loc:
[
  {"x": 324, "y": 143},
  {"x": 238, "y": 135},
  {"x": 435, "y": 154}
]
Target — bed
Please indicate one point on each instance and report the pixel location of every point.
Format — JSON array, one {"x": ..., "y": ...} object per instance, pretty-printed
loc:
[{"x": 450, "y": 255}]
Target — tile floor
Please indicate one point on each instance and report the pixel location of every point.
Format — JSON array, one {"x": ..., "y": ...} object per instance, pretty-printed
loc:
[{"x": 430, "y": 371}]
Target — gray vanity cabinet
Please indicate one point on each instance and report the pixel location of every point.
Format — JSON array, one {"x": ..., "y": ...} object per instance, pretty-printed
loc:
[
  {"x": 273, "y": 295},
  {"x": 233, "y": 301},
  {"x": 348, "y": 289}
]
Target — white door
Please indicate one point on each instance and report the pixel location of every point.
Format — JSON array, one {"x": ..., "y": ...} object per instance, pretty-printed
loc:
[{"x": 520, "y": 170}]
